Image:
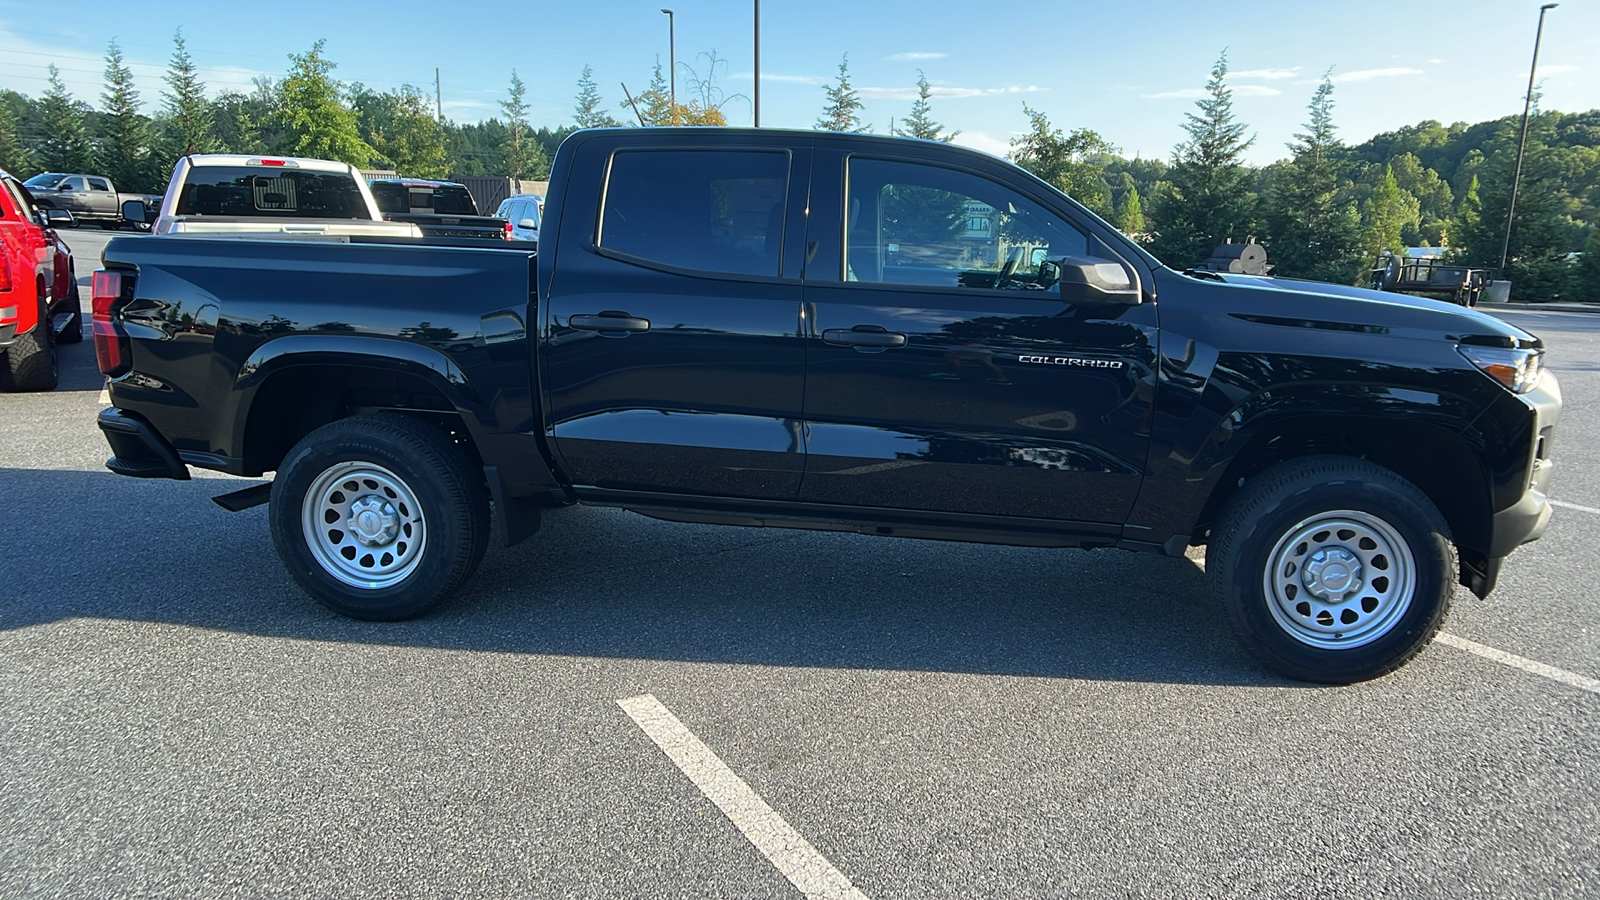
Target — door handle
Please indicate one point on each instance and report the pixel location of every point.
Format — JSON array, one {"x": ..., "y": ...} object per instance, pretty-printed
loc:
[
  {"x": 864, "y": 336},
  {"x": 610, "y": 323}
]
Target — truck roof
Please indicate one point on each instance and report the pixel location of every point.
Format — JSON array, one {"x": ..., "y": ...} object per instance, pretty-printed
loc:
[{"x": 266, "y": 160}]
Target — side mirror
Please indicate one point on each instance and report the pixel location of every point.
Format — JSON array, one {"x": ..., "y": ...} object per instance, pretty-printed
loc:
[
  {"x": 65, "y": 187},
  {"x": 58, "y": 217},
  {"x": 1088, "y": 280},
  {"x": 134, "y": 211},
  {"x": 529, "y": 224}
]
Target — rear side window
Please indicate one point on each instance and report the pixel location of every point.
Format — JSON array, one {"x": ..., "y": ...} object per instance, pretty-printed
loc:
[
  {"x": 716, "y": 211},
  {"x": 285, "y": 193},
  {"x": 99, "y": 184}
]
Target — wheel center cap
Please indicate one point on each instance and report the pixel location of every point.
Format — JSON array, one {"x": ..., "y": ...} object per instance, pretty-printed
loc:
[
  {"x": 1332, "y": 573},
  {"x": 373, "y": 521}
]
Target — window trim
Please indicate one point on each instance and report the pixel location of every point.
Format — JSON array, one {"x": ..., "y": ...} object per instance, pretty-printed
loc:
[
  {"x": 844, "y": 233},
  {"x": 596, "y": 247}
]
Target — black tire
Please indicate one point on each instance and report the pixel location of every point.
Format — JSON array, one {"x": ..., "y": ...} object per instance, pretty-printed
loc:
[
  {"x": 30, "y": 362},
  {"x": 1296, "y": 534},
  {"x": 391, "y": 459},
  {"x": 73, "y": 333}
]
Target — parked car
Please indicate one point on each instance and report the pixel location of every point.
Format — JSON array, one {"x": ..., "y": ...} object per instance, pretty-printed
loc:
[
  {"x": 38, "y": 290},
  {"x": 90, "y": 198},
  {"x": 523, "y": 211},
  {"x": 221, "y": 193},
  {"x": 847, "y": 333},
  {"x": 439, "y": 208}
]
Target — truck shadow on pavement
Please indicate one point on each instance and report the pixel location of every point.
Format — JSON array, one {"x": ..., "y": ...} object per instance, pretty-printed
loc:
[{"x": 610, "y": 584}]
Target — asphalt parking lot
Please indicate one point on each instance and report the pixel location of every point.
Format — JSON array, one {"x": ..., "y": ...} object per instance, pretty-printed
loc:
[{"x": 630, "y": 708}]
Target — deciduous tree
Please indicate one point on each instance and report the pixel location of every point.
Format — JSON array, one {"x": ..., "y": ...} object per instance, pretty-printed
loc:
[{"x": 313, "y": 116}]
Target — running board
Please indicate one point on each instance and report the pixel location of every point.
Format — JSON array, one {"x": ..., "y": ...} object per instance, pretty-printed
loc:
[{"x": 241, "y": 500}]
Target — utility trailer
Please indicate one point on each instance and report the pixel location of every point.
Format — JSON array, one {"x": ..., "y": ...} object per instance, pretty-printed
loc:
[{"x": 1462, "y": 284}]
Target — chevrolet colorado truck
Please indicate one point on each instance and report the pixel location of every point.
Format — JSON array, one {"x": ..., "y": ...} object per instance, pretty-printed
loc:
[{"x": 839, "y": 332}]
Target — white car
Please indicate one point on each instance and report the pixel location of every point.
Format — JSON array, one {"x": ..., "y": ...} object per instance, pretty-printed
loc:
[
  {"x": 223, "y": 193},
  {"x": 523, "y": 211}
]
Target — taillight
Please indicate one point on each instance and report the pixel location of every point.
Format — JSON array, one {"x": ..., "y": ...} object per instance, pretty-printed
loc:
[
  {"x": 110, "y": 343},
  {"x": 508, "y": 229},
  {"x": 5, "y": 272}
]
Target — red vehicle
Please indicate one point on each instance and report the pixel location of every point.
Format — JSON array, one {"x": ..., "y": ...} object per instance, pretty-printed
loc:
[{"x": 38, "y": 291}]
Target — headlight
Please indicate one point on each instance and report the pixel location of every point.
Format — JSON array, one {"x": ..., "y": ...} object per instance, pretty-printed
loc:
[{"x": 1518, "y": 370}]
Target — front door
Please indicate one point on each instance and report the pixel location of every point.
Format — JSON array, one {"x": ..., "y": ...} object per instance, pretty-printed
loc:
[
  {"x": 673, "y": 356},
  {"x": 945, "y": 371}
]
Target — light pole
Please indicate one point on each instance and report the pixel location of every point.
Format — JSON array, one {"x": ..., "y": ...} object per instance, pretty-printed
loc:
[
  {"x": 1522, "y": 143},
  {"x": 672, "y": 62},
  {"x": 758, "y": 63}
]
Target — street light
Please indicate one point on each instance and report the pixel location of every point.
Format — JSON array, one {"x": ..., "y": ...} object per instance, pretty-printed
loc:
[
  {"x": 1522, "y": 143},
  {"x": 672, "y": 62}
]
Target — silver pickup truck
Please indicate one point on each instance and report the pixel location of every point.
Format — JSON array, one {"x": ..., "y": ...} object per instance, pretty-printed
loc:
[{"x": 220, "y": 194}]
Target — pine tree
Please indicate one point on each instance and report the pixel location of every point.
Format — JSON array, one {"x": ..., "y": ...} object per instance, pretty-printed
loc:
[
  {"x": 919, "y": 124},
  {"x": 14, "y": 158},
  {"x": 843, "y": 112},
  {"x": 1210, "y": 200},
  {"x": 64, "y": 139},
  {"x": 524, "y": 157},
  {"x": 127, "y": 133},
  {"x": 1129, "y": 212},
  {"x": 589, "y": 114},
  {"x": 1315, "y": 234},
  {"x": 188, "y": 112},
  {"x": 315, "y": 120},
  {"x": 1385, "y": 214}
]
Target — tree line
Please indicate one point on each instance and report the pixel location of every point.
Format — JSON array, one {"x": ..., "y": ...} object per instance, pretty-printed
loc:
[{"x": 1328, "y": 211}]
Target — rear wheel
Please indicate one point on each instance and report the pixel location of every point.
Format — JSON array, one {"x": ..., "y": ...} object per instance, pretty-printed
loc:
[
  {"x": 30, "y": 362},
  {"x": 1333, "y": 569},
  {"x": 380, "y": 516}
]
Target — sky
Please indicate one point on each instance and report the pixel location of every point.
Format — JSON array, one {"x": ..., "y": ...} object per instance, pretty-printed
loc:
[{"x": 1129, "y": 70}]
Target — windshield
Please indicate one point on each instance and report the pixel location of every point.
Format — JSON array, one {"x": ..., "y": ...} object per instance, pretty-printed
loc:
[
  {"x": 277, "y": 193},
  {"x": 45, "y": 180}
]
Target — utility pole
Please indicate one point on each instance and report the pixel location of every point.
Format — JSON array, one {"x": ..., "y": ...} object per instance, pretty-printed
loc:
[
  {"x": 438, "y": 98},
  {"x": 672, "y": 62},
  {"x": 1522, "y": 143},
  {"x": 758, "y": 63}
]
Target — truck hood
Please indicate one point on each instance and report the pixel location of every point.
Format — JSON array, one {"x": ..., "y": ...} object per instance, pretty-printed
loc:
[{"x": 1347, "y": 305}]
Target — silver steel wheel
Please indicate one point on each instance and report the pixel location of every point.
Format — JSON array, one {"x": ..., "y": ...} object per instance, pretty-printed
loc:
[
  {"x": 364, "y": 525},
  {"x": 1341, "y": 579}
]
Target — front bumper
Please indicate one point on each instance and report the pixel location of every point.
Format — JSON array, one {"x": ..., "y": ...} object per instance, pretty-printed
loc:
[{"x": 1528, "y": 516}]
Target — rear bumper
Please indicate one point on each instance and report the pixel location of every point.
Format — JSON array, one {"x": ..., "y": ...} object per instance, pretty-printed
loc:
[
  {"x": 137, "y": 449},
  {"x": 8, "y": 333}
]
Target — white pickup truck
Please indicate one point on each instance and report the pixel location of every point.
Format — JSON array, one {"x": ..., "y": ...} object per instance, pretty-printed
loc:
[{"x": 218, "y": 194}]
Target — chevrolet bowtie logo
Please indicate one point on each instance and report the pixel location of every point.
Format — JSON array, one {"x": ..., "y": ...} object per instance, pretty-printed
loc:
[{"x": 1078, "y": 361}]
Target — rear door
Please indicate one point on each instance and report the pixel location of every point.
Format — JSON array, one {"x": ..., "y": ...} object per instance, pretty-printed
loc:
[
  {"x": 101, "y": 199},
  {"x": 672, "y": 356},
  {"x": 946, "y": 372}
]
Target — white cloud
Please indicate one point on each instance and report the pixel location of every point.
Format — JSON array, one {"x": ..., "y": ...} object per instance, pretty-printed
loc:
[
  {"x": 791, "y": 79},
  {"x": 1266, "y": 74},
  {"x": 1239, "y": 90},
  {"x": 1436, "y": 62},
  {"x": 1369, "y": 74},
  {"x": 914, "y": 57},
  {"x": 945, "y": 93},
  {"x": 1559, "y": 69},
  {"x": 982, "y": 140},
  {"x": 83, "y": 72}
]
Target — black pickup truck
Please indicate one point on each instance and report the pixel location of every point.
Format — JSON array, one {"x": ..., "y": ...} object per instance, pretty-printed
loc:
[
  {"x": 839, "y": 332},
  {"x": 439, "y": 208}
]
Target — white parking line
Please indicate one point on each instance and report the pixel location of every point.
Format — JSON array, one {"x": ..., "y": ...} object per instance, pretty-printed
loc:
[
  {"x": 1592, "y": 685},
  {"x": 1565, "y": 505},
  {"x": 794, "y": 856}
]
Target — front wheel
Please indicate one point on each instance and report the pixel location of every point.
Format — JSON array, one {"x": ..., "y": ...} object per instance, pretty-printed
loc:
[
  {"x": 379, "y": 517},
  {"x": 1333, "y": 569}
]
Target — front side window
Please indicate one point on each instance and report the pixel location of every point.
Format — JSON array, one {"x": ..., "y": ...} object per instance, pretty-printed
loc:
[
  {"x": 715, "y": 211},
  {"x": 72, "y": 184},
  {"x": 926, "y": 225}
]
